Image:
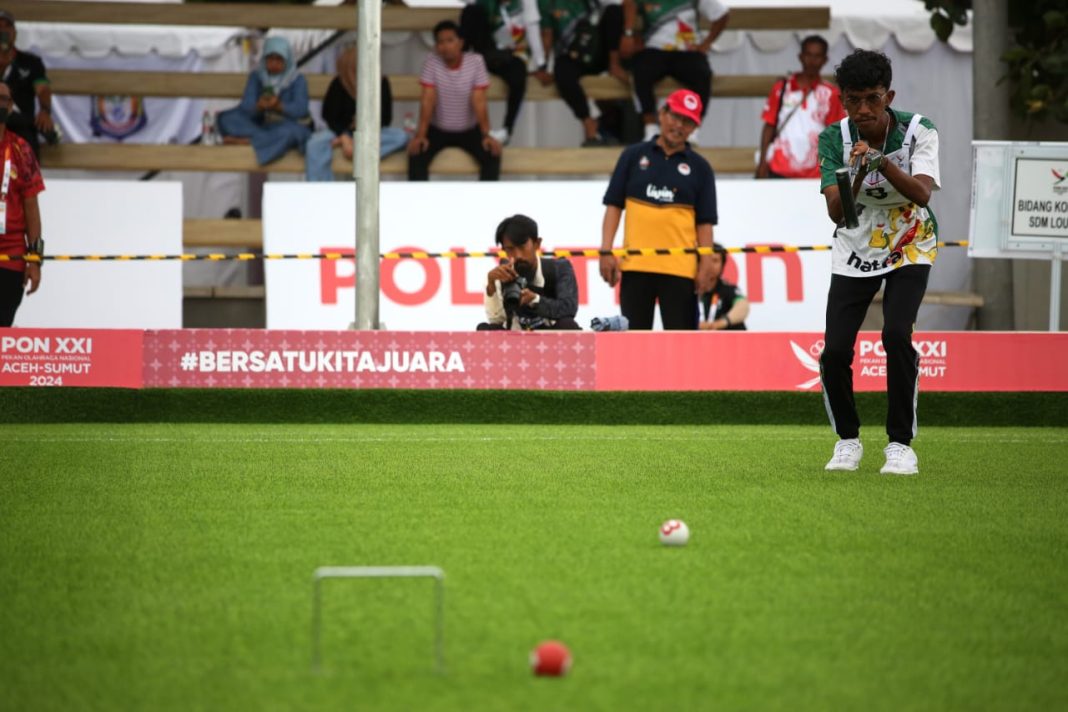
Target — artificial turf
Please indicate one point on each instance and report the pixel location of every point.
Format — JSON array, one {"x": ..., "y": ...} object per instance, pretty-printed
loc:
[
  {"x": 169, "y": 567},
  {"x": 519, "y": 408}
]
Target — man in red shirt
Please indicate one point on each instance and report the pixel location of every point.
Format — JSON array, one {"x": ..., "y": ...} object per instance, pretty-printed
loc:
[
  {"x": 799, "y": 107},
  {"x": 20, "y": 216}
]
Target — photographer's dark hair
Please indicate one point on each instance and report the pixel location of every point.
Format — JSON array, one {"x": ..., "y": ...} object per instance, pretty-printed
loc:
[
  {"x": 863, "y": 70},
  {"x": 815, "y": 39},
  {"x": 447, "y": 25},
  {"x": 518, "y": 229}
]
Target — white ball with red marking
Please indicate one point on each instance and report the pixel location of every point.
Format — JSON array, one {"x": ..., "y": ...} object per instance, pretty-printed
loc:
[{"x": 674, "y": 532}]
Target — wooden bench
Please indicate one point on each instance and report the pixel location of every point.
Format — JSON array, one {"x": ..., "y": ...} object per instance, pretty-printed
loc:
[
  {"x": 240, "y": 159},
  {"x": 245, "y": 234},
  {"x": 946, "y": 299},
  {"x": 335, "y": 18},
  {"x": 517, "y": 161},
  {"x": 229, "y": 85}
]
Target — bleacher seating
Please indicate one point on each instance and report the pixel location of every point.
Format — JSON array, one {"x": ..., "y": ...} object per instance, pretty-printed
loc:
[
  {"x": 517, "y": 161},
  {"x": 225, "y": 85},
  {"x": 394, "y": 17}
]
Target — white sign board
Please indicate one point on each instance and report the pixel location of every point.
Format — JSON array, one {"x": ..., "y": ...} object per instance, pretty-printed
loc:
[
  {"x": 1040, "y": 198},
  {"x": 787, "y": 290},
  {"x": 108, "y": 218},
  {"x": 1019, "y": 199}
]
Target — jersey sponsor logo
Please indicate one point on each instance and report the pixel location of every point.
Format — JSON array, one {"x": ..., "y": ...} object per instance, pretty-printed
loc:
[
  {"x": 643, "y": 163},
  {"x": 684, "y": 169},
  {"x": 856, "y": 262},
  {"x": 23, "y": 73},
  {"x": 117, "y": 117},
  {"x": 664, "y": 194}
]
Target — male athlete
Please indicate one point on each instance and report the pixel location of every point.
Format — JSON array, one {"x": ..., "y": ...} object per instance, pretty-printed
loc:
[{"x": 896, "y": 153}]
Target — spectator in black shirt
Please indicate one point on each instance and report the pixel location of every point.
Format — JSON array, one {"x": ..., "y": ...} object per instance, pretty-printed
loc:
[
  {"x": 724, "y": 306},
  {"x": 25, "y": 74},
  {"x": 339, "y": 114}
]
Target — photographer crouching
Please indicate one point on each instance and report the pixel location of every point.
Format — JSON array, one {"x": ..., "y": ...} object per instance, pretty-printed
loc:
[{"x": 526, "y": 292}]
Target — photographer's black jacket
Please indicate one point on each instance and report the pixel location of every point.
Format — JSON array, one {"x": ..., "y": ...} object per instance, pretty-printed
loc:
[{"x": 559, "y": 295}]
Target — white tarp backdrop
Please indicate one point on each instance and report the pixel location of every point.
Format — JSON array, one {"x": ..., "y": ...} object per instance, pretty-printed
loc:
[{"x": 109, "y": 218}]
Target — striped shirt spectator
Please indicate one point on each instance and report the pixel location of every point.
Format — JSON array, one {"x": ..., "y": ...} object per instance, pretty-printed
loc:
[{"x": 454, "y": 110}]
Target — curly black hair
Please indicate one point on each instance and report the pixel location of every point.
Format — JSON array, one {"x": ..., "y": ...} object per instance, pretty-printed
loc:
[{"x": 863, "y": 70}]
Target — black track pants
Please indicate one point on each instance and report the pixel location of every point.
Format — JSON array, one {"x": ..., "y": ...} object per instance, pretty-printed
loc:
[{"x": 847, "y": 303}]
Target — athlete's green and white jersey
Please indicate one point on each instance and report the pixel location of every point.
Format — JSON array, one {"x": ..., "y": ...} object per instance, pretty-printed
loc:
[
  {"x": 515, "y": 26},
  {"x": 673, "y": 24},
  {"x": 893, "y": 231}
]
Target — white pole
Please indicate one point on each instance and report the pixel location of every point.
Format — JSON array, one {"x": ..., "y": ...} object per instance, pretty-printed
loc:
[
  {"x": 1055, "y": 287},
  {"x": 365, "y": 160}
]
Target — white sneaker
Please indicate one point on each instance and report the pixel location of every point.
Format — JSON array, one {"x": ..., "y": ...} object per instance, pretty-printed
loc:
[
  {"x": 847, "y": 454},
  {"x": 501, "y": 135},
  {"x": 900, "y": 460},
  {"x": 651, "y": 131}
]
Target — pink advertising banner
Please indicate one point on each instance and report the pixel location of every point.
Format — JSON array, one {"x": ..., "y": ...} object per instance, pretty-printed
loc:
[
  {"x": 752, "y": 361},
  {"x": 636, "y": 361},
  {"x": 71, "y": 357},
  {"x": 196, "y": 358}
]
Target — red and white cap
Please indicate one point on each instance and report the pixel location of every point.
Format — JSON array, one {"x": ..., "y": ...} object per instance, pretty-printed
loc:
[{"x": 686, "y": 103}]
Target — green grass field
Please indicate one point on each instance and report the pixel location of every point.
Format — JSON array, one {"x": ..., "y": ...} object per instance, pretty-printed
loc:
[{"x": 170, "y": 567}]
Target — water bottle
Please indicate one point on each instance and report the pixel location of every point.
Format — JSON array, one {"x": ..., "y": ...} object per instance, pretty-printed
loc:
[{"x": 208, "y": 136}]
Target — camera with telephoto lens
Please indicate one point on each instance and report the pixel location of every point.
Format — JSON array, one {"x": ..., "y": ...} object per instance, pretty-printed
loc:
[{"x": 511, "y": 293}]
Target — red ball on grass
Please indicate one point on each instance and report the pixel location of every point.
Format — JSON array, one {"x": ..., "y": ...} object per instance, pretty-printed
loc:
[{"x": 550, "y": 659}]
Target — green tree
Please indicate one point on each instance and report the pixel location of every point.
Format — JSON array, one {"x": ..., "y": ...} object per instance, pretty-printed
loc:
[{"x": 1037, "y": 63}]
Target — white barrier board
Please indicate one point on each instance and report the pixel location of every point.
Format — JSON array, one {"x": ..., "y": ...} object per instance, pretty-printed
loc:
[
  {"x": 108, "y": 218},
  {"x": 1019, "y": 199},
  {"x": 788, "y": 291}
]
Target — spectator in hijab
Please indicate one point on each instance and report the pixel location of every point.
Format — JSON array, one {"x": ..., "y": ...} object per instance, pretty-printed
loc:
[{"x": 273, "y": 114}]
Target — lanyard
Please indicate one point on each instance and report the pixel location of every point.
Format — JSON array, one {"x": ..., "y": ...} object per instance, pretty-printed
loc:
[{"x": 7, "y": 173}]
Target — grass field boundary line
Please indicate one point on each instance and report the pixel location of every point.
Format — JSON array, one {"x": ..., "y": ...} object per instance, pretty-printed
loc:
[{"x": 712, "y": 434}]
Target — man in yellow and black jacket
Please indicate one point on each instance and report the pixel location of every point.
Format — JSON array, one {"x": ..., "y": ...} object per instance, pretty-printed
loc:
[{"x": 669, "y": 194}]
